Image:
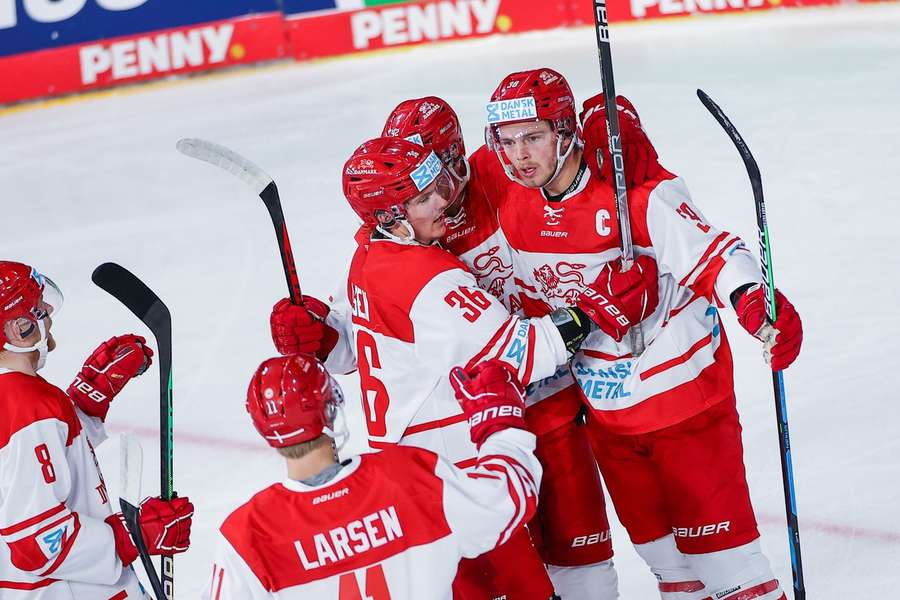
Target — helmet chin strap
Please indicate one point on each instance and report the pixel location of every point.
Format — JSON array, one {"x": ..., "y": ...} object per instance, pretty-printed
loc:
[
  {"x": 339, "y": 435},
  {"x": 410, "y": 240},
  {"x": 561, "y": 158},
  {"x": 560, "y": 162},
  {"x": 40, "y": 347}
]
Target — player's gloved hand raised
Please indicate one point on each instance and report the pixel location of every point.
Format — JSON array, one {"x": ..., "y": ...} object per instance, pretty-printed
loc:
[
  {"x": 165, "y": 527},
  {"x": 302, "y": 328},
  {"x": 641, "y": 159},
  {"x": 491, "y": 397},
  {"x": 617, "y": 300},
  {"x": 781, "y": 343},
  {"x": 106, "y": 372}
]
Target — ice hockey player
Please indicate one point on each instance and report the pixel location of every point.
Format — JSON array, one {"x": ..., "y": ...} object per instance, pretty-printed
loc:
[
  {"x": 665, "y": 423},
  {"x": 59, "y": 539},
  {"x": 417, "y": 311},
  {"x": 570, "y": 530},
  {"x": 386, "y": 526}
]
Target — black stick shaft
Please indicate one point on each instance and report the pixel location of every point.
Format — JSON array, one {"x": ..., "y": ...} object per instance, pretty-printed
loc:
[
  {"x": 601, "y": 28},
  {"x": 146, "y": 306},
  {"x": 272, "y": 201},
  {"x": 765, "y": 252}
]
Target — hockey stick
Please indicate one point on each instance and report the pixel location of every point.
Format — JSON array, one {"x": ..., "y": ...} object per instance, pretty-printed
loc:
[
  {"x": 132, "y": 516},
  {"x": 601, "y": 27},
  {"x": 263, "y": 185},
  {"x": 140, "y": 300},
  {"x": 765, "y": 255}
]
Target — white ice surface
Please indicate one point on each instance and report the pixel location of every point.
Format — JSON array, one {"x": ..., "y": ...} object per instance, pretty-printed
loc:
[{"x": 815, "y": 93}]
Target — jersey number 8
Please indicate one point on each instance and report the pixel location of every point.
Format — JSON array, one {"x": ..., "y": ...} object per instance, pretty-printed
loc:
[{"x": 43, "y": 456}]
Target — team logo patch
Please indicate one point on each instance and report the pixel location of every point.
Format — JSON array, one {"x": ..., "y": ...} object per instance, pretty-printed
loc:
[
  {"x": 427, "y": 172},
  {"x": 415, "y": 139},
  {"x": 503, "y": 111},
  {"x": 52, "y": 541},
  {"x": 553, "y": 216}
]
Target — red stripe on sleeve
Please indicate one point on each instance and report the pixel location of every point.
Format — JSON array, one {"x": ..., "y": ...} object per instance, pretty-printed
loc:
[
  {"x": 529, "y": 361},
  {"x": 219, "y": 586},
  {"x": 69, "y": 542},
  {"x": 436, "y": 424},
  {"x": 15, "y": 585},
  {"x": 497, "y": 335},
  {"x": 518, "y": 513},
  {"x": 706, "y": 254},
  {"x": 16, "y": 527}
]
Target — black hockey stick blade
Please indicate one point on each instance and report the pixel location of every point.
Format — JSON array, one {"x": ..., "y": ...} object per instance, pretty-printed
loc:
[
  {"x": 123, "y": 285},
  {"x": 132, "y": 520},
  {"x": 264, "y": 186},
  {"x": 739, "y": 143}
]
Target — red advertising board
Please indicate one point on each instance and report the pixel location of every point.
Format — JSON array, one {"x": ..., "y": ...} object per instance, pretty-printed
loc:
[
  {"x": 328, "y": 34},
  {"x": 139, "y": 57},
  {"x": 630, "y": 10}
]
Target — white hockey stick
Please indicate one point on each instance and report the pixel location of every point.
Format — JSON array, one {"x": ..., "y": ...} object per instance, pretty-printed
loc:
[
  {"x": 222, "y": 157},
  {"x": 265, "y": 188},
  {"x": 131, "y": 468}
]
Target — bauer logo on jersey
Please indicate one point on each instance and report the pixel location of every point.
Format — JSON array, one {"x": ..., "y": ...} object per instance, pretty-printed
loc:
[
  {"x": 427, "y": 172},
  {"x": 504, "y": 111}
]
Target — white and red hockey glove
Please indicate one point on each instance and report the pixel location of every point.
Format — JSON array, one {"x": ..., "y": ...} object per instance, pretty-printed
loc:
[
  {"x": 782, "y": 341},
  {"x": 641, "y": 159},
  {"x": 491, "y": 397},
  {"x": 113, "y": 364},
  {"x": 302, "y": 328},
  {"x": 165, "y": 526},
  {"x": 617, "y": 300}
]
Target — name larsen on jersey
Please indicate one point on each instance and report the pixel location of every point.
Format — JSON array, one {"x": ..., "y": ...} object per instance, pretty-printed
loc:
[{"x": 346, "y": 541}]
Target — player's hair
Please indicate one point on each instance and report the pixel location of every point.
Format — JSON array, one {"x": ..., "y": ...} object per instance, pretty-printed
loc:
[{"x": 302, "y": 449}]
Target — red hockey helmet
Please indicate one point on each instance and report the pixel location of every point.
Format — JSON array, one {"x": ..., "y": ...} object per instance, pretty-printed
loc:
[
  {"x": 536, "y": 95},
  {"x": 25, "y": 294},
  {"x": 292, "y": 399},
  {"x": 432, "y": 123},
  {"x": 385, "y": 173}
]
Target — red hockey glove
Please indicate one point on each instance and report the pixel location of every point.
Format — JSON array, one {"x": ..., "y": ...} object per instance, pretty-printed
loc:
[
  {"x": 781, "y": 343},
  {"x": 106, "y": 372},
  {"x": 491, "y": 397},
  {"x": 165, "y": 527},
  {"x": 641, "y": 159},
  {"x": 302, "y": 328},
  {"x": 617, "y": 300}
]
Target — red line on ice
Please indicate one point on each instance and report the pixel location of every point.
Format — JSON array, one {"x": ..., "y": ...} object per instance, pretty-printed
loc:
[{"x": 844, "y": 531}]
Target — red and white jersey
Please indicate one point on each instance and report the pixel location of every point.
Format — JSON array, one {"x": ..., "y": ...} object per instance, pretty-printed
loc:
[
  {"x": 560, "y": 248},
  {"x": 389, "y": 526},
  {"x": 480, "y": 243},
  {"x": 54, "y": 543},
  {"x": 416, "y": 313},
  {"x": 476, "y": 237}
]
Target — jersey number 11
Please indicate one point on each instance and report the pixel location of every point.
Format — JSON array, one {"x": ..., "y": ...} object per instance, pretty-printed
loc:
[{"x": 376, "y": 586}]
